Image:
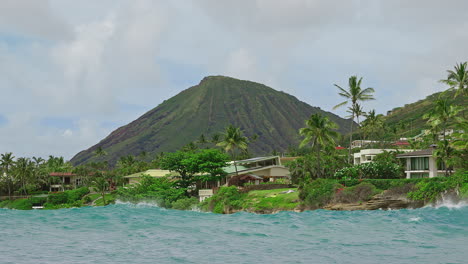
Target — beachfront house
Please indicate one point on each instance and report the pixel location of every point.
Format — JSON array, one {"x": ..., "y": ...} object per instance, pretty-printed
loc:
[
  {"x": 422, "y": 164},
  {"x": 136, "y": 177},
  {"x": 368, "y": 155},
  {"x": 249, "y": 171},
  {"x": 64, "y": 181}
]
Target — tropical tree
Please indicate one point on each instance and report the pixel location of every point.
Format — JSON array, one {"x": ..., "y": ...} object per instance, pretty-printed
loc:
[
  {"x": 353, "y": 95},
  {"x": 233, "y": 140},
  {"x": 356, "y": 111},
  {"x": 7, "y": 162},
  {"x": 373, "y": 123},
  {"x": 442, "y": 113},
  {"x": 23, "y": 171},
  {"x": 458, "y": 79},
  {"x": 440, "y": 116},
  {"x": 188, "y": 164},
  {"x": 100, "y": 152},
  {"x": 101, "y": 184},
  {"x": 320, "y": 132}
]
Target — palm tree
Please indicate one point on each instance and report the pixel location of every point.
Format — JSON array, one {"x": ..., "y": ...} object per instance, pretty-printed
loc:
[
  {"x": 100, "y": 152},
  {"x": 101, "y": 184},
  {"x": 7, "y": 162},
  {"x": 232, "y": 140},
  {"x": 353, "y": 95},
  {"x": 442, "y": 113},
  {"x": 23, "y": 170},
  {"x": 215, "y": 138},
  {"x": 373, "y": 123},
  {"x": 319, "y": 131},
  {"x": 458, "y": 79}
]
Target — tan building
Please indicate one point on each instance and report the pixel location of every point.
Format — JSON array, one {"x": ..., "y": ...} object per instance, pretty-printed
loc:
[
  {"x": 67, "y": 180},
  {"x": 253, "y": 171},
  {"x": 157, "y": 173}
]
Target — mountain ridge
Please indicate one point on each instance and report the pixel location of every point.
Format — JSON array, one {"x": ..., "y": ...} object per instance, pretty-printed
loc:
[{"x": 207, "y": 108}]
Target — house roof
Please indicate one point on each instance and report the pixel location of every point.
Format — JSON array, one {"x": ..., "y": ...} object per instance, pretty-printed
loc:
[
  {"x": 152, "y": 173},
  {"x": 256, "y": 159},
  {"x": 251, "y": 176},
  {"x": 401, "y": 143},
  {"x": 61, "y": 174},
  {"x": 419, "y": 153}
]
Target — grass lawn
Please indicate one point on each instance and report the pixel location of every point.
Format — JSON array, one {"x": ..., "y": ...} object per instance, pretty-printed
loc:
[{"x": 272, "y": 199}]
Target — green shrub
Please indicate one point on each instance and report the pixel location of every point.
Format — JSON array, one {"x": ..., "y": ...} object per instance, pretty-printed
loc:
[
  {"x": 18, "y": 204},
  {"x": 77, "y": 194},
  {"x": 371, "y": 170},
  {"x": 185, "y": 203},
  {"x": 427, "y": 191},
  {"x": 57, "y": 198},
  {"x": 361, "y": 192},
  {"x": 430, "y": 189},
  {"x": 226, "y": 200},
  {"x": 87, "y": 199},
  {"x": 161, "y": 190},
  {"x": 318, "y": 193}
]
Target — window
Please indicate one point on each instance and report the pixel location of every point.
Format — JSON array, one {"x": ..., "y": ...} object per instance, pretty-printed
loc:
[
  {"x": 419, "y": 175},
  {"x": 421, "y": 163}
]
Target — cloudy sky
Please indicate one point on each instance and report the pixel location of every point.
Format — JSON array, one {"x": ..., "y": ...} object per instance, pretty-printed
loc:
[{"x": 73, "y": 71}]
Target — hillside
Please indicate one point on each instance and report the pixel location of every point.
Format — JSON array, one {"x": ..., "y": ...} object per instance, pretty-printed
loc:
[
  {"x": 408, "y": 119},
  {"x": 208, "y": 108}
]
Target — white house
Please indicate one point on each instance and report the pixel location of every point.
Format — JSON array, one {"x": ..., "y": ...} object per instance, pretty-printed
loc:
[
  {"x": 421, "y": 164},
  {"x": 368, "y": 155}
]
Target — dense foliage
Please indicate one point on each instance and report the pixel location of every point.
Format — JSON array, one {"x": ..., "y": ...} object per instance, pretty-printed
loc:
[
  {"x": 318, "y": 192},
  {"x": 430, "y": 190},
  {"x": 226, "y": 200},
  {"x": 207, "y": 163},
  {"x": 162, "y": 191}
]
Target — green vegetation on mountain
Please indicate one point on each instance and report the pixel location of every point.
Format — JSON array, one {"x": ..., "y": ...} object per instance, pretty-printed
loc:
[
  {"x": 207, "y": 109},
  {"x": 408, "y": 121}
]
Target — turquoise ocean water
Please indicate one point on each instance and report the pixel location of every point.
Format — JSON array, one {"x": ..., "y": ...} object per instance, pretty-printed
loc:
[{"x": 126, "y": 233}]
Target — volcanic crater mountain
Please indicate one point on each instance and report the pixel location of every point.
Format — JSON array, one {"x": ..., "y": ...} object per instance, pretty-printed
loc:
[{"x": 208, "y": 108}]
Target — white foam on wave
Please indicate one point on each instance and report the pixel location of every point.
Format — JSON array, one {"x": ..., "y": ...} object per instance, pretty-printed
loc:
[
  {"x": 139, "y": 204},
  {"x": 450, "y": 204},
  {"x": 415, "y": 219}
]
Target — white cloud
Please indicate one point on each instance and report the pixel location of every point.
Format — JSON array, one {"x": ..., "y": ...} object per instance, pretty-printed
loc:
[
  {"x": 32, "y": 17},
  {"x": 89, "y": 61}
]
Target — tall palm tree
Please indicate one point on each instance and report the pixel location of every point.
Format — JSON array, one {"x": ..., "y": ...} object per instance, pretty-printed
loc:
[
  {"x": 458, "y": 79},
  {"x": 7, "y": 162},
  {"x": 23, "y": 170},
  {"x": 320, "y": 132},
  {"x": 233, "y": 140},
  {"x": 353, "y": 95}
]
